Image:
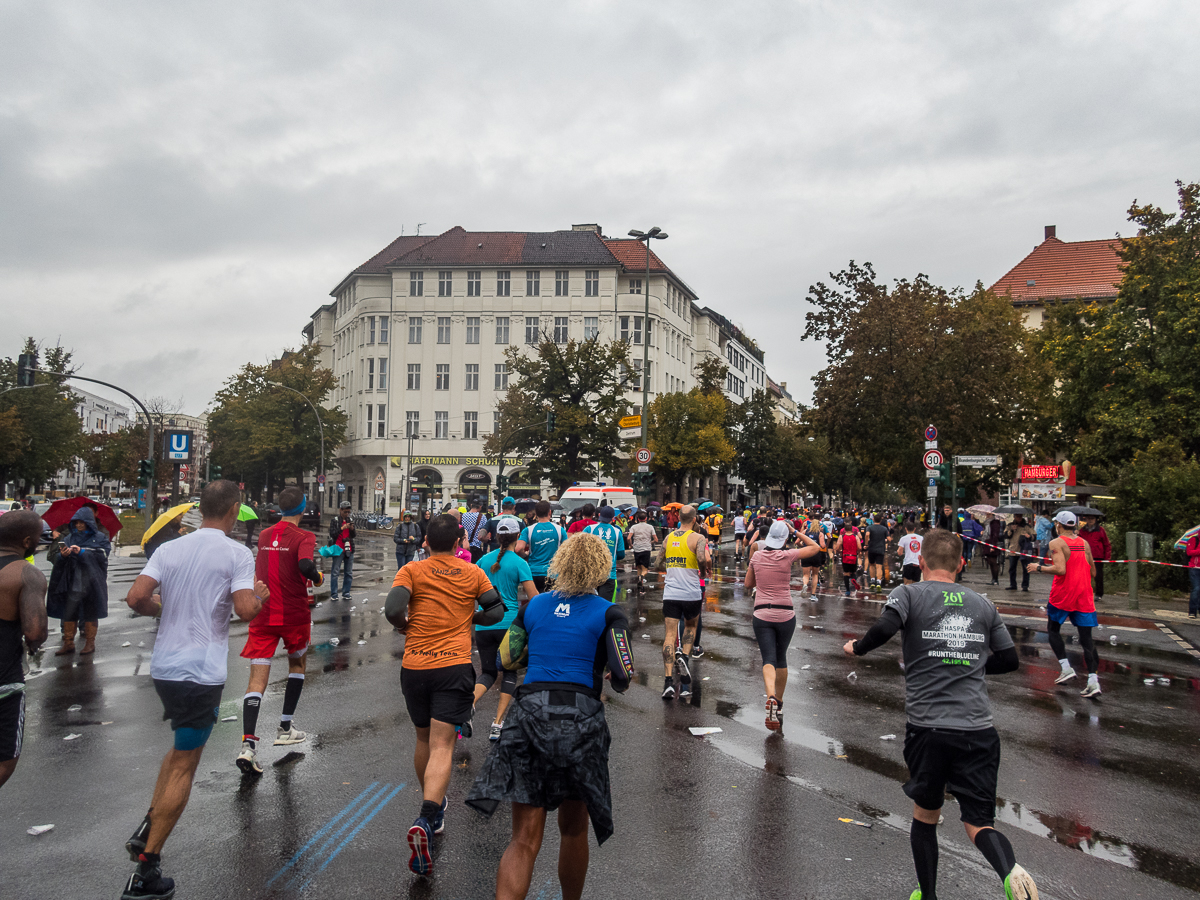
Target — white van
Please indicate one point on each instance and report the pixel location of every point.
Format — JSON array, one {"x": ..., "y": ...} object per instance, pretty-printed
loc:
[{"x": 583, "y": 492}]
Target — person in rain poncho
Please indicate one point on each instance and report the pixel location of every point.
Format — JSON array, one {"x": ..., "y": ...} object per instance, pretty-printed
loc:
[{"x": 78, "y": 593}]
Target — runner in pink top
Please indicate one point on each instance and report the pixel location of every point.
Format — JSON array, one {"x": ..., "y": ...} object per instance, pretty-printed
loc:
[{"x": 770, "y": 570}]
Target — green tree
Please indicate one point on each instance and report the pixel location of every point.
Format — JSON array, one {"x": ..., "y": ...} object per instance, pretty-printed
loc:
[
  {"x": 799, "y": 460},
  {"x": 1126, "y": 371},
  {"x": 686, "y": 432},
  {"x": 759, "y": 458},
  {"x": 50, "y": 434},
  {"x": 583, "y": 383},
  {"x": 915, "y": 354},
  {"x": 264, "y": 435}
]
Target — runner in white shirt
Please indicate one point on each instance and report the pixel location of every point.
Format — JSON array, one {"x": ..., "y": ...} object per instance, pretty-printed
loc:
[
  {"x": 910, "y": 549},
  {"x": 739, "y": 536},
  {"x": 193, "y": 584},
  {"x": 642, "y": 538}
]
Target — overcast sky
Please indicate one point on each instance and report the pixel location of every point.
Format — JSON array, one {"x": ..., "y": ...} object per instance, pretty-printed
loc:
[{"x": 182, "y": 184}]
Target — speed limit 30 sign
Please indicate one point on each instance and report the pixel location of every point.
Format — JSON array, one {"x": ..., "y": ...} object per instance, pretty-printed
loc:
[
  {"x": 933, "y": 458},
  {"x": 642, "y": 456}
]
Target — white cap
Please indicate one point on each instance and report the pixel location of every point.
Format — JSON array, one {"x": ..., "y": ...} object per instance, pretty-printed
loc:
[
  {"x": 508, "y": 525},
  {"x": 777, "y": 536},
  {"x": 1065, "y": 517}
]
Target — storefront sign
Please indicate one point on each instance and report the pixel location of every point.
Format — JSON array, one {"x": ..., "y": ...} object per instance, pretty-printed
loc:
[
  {"x": 401, "y": 461},
  {"x": 1042, "y": 491}
]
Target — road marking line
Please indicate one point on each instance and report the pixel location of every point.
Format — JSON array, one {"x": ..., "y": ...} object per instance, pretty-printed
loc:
[
  {"x": 312, "y": 857},
  {"x": 361, "y": 825},
  {"x": 316, "y": 837}
]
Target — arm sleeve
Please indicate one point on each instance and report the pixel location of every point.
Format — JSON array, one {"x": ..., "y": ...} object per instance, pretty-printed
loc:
[
  {"x": 309, "y": 569},
  {"x": 880, "y": 633},
  {"x": 395, "y": 607},
  {"x": 492, "y": 607},
  {"x": 618, "y": 649},
  {"x": 1002, "y": 661}
]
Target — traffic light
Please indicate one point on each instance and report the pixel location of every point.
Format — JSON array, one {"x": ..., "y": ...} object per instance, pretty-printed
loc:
[
  {"x": 551, "y": 418},
  {"x": 502, "y": 483},
  {"x": 145, "y": 472},
  {"x": 649, "y": 483},
  {"x": 943, "y": 473},
  {"x": 637, "y": 482},
  {"x": 214, "y": 471},
  {"x": 26, "y": 365}
]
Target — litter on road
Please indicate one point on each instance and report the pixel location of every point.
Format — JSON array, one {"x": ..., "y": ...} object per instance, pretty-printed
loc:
[
  {"x": 856, "y": 822},
  {"x": 700, "y": 731},
  {"x": 72, "y": 736},
  {"x": 853, "y": 676},
  {"x": 887, "y": 737},
  {"x": 229, "y": 719},
  {"x": 74, "y": 707},
  {"x": 39, "y": 829},
  {"x": 127, "y": 644}
]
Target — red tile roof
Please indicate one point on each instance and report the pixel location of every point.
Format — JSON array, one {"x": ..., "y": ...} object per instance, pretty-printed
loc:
[
  {"x": 632, "y": 255},
  {"x": 1064, "y": 270},
  {"x": 377, "y": 264}
]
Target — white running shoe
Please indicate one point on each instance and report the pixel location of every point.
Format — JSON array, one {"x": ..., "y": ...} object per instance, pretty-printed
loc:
[
  {"x": 497, "y": 727},
  {"x": 1092, "y": 689},
  {"x": 291, "y": 735},
  {"x": 247, "y": 760},
  {"x": 1019, "y": 885},
  {"x": 1065, "y": 677}
]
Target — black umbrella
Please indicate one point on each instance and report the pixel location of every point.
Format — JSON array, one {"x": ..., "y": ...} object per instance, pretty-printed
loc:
[
  {"x": 700, "y": 500},
  {"x": 1013, "y": 510},
  {"x": 1082, "y": 510},
  {"x": 524, "y": 506}
]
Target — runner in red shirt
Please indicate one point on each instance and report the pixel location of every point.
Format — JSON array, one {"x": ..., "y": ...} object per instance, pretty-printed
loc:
[
  {"x": 285, "y": 563},
  {"x": 1071, "y": 598},
  {"x": 848, "y": 546},
  {"x": 586, "y": 512}
]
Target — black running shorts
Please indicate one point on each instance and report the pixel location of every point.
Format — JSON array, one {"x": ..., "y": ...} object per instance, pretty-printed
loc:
[
  {"x": 773, "y": 639},
  {"x": 964, "y": 763},
  {"x": 814, "y": 562},
  {"x": 540, "y": 582},
  {"x": 911, "y": 572},
  {"x": 641, "y": 558},
  {"x": 874, "y": 558},
  {"x": 849, "y": 569},
  {"x": 682, "y": 609},
  {"x": 188, "y": 704},
  {"x": 445, "y": 694},
  {"x": 12, "y": 725}
]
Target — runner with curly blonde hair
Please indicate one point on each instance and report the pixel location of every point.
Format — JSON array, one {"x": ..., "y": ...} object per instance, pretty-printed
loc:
[{"x": 579, "y": 565}]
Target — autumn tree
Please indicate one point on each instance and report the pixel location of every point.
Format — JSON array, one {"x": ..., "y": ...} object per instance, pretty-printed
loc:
[
  {"x": 687, "y": 434},
  {"x": 264, "y": 435},
  {"x": 584, "y": 384},
  {"x": 46, "y": 432},
  {"x": 903, "y": 357}
]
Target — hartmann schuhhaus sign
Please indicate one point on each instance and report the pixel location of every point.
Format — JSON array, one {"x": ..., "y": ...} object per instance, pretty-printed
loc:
[{"x": 509, "y": 461}]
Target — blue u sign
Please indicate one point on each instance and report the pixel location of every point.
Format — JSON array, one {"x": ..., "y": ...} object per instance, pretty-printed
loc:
[{"x": 179, "y": 445}]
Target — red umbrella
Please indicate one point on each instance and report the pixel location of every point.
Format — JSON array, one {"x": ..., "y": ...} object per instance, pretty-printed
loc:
[{"x": 61, "y": 511}]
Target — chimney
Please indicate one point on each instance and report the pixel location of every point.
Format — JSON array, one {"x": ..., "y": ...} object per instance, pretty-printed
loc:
[
  {"x": 588, "y": 227},
  {"x": 1049, "y": 232}
]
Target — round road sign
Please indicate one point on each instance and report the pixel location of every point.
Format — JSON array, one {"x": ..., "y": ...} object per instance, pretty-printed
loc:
[
  {"x": 642, "y": 456},
  {"x": 933, "y": 458},
  {"x": 931, "y": 433}
]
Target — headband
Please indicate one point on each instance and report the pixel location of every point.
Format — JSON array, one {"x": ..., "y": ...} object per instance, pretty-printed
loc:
[{"x": 295, "y": 510}]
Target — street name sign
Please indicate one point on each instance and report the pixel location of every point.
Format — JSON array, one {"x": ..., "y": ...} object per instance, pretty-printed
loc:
[
  {"x": 976, "y": 462},
  {"x": 630, "y": 422}
]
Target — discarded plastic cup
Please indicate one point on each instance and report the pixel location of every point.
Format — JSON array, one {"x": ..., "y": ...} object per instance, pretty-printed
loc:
[
  {"x": 852, "y": 677},
  {"x": 1147, "y": 681},
  {"x": 1165, "y": 682},
  {"x": 1113, "y": 640},
  {"x": 887, "y": 737}
]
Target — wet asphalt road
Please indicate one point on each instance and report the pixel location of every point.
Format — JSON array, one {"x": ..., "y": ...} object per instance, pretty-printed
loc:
[{"x": 1098, "y": 797}]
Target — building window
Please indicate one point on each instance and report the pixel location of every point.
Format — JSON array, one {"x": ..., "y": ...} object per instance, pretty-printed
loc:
[
  {"x": 445, "y": 282},
  {"x": 414, "y": 329},
  {"x": 443, "y": 326},
  {"x": 412, "y": 424},
  {"x": 383, "y": 329},
  {"x": 471, "y": 426},
  {"x": 635, "y": 285},
  {"x": 414, "y": 376},
  {"x": 474, "y": 279},
  {"x": 503, "y": 283},
  {"x": 371, "y": 374},
  {"x": 370, "y": 329},
  {"x": 441, "y": 377},
  {"x": 591, "y": 327},
  {"x": 370, "y": 420},
  {"x": 649, "y": 336},
  {"x": 502, "y": 329},
  {"x": 562, "y": 279},
  {"x": 591, "y": 283},
  {"x": 416, "y": 284},
  {"x": 560, "y": 329},
  {"x": 472, "y": 329},
  {"x": 634, "y": 336},
  {"x": 533, "y": 283},
  {"x": 380, "y": 420},
  {"x": 531, "y": 330},
  {"x": 383, "y": 386},
  {"x": 472, "y": 379},
  {"x": 441, "y": 425},
  {"x": 502, "y": 376},
  {"x": 495, "y": 422}
]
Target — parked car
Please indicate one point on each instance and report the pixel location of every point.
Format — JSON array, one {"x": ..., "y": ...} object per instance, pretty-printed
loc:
[{"x": 312, "y": 516}]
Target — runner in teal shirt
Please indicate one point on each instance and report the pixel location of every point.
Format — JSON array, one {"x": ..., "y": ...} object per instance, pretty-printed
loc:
[
  {"x": 612, "y": 537},
  {"x": 542, "y": 539}
]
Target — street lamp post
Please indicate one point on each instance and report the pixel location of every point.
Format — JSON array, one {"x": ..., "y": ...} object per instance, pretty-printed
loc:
[
  {"x": 320, "y": 429},
  {"x": 654, "y": 234}
]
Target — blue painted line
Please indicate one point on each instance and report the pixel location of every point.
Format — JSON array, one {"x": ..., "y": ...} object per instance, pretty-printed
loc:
[
  {"x": 325, "y": 828},
  {"x": 361, "y": 825},
  {"x": 306, "y": 866}
]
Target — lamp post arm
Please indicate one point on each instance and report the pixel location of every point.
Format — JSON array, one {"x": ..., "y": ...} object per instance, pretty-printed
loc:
[{"x": 320, "y": 426}]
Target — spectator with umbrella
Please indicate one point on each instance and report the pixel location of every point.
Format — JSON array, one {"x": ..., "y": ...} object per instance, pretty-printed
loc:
[
  {"x": 78, "y": 593},
  {"x": 1191, "y": 546}
]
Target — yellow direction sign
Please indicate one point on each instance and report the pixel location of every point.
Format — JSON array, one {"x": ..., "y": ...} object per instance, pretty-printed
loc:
[{"x": 630, "y": 422}]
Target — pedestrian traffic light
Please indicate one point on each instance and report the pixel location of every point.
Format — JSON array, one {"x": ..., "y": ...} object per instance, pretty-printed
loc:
[
  {"x": 214, "y": 471},
  {"x": 551, "y": 418},
  {"x": 26, "y": 365},
  {"x": 649, "y": 483},
  {"x": 636, "y": 482},
  {"x": 145, "y": 472}
]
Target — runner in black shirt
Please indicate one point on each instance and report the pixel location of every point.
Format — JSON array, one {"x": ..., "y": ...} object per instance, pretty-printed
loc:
[{"x": 879, "y": 537}]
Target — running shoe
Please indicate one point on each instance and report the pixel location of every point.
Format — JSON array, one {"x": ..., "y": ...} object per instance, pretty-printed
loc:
[
  {"x": 136, "y": 845},
  {"x": 915, "y": 895},
  {"x": 1091, "y": 689},
  {"x": 1065, "y": 676},
  {"x": 247, "y": 761},
  {"x": 772, "y": 714},
  {"x": 420, "y": 840},
  {"x": 438, "y": 824},
  {"x": 1019, "y": 885},
  {"x": 669, "y": 692},
  {"x": 465, "y": 730},
  {"x": 697, "y": 652},
  {"x": 681, "y": 663},
  {"x": 292, "y": 735},
  {"x": 147, "y": 883},
  {"x": 497, "y": 727},
  {"x": 685, "y": 689}
]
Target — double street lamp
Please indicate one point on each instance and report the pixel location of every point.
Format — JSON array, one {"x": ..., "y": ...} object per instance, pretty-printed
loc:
[{"x": 654, "y": 234}]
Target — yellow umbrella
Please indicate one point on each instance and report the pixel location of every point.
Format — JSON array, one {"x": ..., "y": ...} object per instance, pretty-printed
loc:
[{"x": 173, "y": 513}]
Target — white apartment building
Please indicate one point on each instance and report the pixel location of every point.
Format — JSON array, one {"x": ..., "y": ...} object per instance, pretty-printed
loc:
[
  {"x": 417, "y": 336},
  {"x": 97, "y": 415}
]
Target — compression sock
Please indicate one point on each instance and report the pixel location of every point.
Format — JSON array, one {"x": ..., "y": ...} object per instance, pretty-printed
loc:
[
  {"x": 148, "y": 861},
  {"x": 429, "y": 809},
  {"x": 1091, "y": 659},
  {"x": 291, "y": 696},
  {"x": 250, "y": 705},
  {"x": 923, "y": 838},
  {"x": 996, "y": 850}
]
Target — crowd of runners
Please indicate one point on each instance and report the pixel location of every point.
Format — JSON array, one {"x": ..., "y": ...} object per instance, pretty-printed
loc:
[{"x": 540, "y": 610}]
